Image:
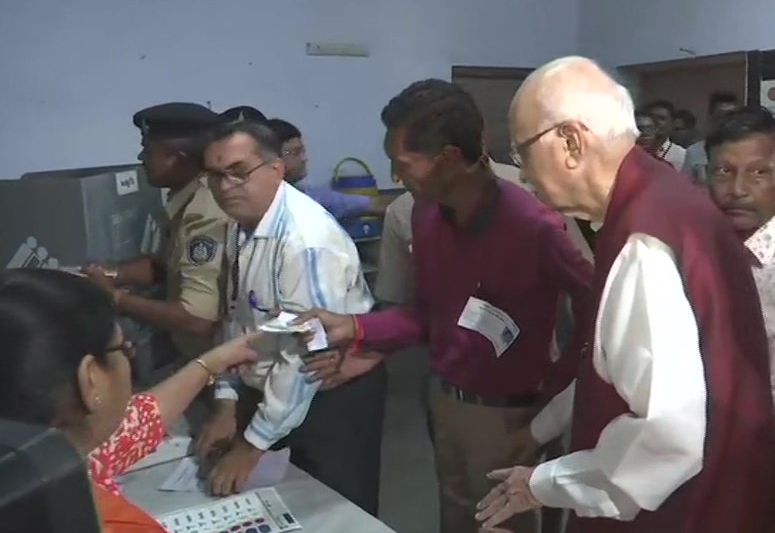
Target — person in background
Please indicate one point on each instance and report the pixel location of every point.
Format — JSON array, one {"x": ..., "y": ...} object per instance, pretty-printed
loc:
[
  {"x": 394, "y": 285},
  {"x": 684, "y": 128},
  {"x": 671, "y": 406},
  {"x": 286, "y": 252},
  {"x": 339, "y": 204},
  {"x": 486, "y": 310},
  {"x": 663, "y": 113},
  {"x": 719, "y": 105},
  {"x": 191, "y": 258},
  {"x": 647, "y": 127},
  {"x": 64, "y": 363},
  {"x": 741, "y": 179}
]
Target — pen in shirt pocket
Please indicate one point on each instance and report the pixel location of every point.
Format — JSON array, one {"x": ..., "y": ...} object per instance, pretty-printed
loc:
[{"x": 253, "y": 301}]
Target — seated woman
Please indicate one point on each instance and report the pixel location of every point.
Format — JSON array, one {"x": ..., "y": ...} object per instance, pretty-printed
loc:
[{"x": 64, "y": 363}]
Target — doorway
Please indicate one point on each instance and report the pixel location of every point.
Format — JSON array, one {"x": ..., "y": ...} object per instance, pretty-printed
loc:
[
  {"x": 492, "y": 88},
  {"x": 688, "y": 83}
]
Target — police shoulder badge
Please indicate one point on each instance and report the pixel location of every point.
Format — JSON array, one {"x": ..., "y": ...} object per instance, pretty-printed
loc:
[{"x": 201, "y": 250}]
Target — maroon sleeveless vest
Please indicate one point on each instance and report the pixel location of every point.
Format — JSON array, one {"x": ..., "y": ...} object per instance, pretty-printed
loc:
[{"x": 735, "y": 490}]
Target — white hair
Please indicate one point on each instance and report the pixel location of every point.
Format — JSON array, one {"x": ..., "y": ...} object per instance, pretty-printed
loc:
[{"x": 607, "y": 110}]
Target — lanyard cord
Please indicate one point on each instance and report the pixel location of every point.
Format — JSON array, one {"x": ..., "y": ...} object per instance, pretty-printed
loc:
[
  {"x": 235, "y": 266},
  {"x": 666, "y": 149}
]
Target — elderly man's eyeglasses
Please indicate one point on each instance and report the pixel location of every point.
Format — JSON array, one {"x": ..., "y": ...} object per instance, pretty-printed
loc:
[
  {"x": 518, "y": 151},
  {"x": 234, "y": 177}
]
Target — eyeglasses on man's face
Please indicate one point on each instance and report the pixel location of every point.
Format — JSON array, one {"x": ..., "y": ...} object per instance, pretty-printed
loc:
[
  {"x": 519, "y": 151},
  {"x": 233, "y": 177}
]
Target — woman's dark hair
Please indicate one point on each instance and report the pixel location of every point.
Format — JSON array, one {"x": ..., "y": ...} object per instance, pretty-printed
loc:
[
  {"x": 49, "y": 321},
  {"x": 739, "y": 125}
]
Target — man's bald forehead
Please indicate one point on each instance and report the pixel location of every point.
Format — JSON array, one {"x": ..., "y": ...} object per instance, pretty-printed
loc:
[
  {"x": 567, "y": 74},
  {"x": 555, "y": 82},
  {"x": 572, "y": 67}
]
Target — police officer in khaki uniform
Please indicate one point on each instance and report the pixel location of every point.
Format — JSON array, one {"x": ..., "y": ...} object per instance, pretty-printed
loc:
[{"x": 191, "y": 259}]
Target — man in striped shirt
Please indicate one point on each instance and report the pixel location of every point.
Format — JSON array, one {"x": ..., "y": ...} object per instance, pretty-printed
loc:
[{"x": 286, "y": 252}]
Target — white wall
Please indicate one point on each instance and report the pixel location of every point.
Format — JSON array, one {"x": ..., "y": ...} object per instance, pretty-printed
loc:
[
  {"x": 72, "y": 73},
  {"x": 622, "y": 32}
]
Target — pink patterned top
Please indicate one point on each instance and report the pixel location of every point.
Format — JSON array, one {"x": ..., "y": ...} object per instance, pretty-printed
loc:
[{"x": 140, "y": 433}]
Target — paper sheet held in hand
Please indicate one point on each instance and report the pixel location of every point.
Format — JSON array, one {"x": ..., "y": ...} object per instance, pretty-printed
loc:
[
  {"x": 269, "y": 472},
  {"x": 282, "y": 324}
]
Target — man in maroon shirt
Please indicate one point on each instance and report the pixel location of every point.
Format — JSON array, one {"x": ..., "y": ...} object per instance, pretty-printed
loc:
[
  {"x": 490, "y": 264},
  {"x": 672, "y": 426}
]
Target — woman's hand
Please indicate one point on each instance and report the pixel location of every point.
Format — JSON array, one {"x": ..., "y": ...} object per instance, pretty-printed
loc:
[{"x": 234, "y": 354}]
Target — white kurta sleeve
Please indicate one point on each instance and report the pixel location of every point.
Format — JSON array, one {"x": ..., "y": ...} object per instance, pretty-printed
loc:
[{"x": 647, "y": 347}]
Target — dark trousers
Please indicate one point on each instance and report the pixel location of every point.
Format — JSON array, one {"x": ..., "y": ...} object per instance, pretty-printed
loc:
[{"x": 340, "y": 441}]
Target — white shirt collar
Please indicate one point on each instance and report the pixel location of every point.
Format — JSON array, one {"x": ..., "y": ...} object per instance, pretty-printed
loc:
[
  {"x": 762, "y": 243},
  {"x": 269, "y": 226}
]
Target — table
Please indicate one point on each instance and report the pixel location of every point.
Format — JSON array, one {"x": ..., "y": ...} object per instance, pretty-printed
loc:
[{"x": 318, "y": 508}]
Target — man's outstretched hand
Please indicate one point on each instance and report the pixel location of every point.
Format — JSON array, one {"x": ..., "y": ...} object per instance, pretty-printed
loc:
[
  {"x": 340, "y": 329},
  {"x": 511, "y": 496}
]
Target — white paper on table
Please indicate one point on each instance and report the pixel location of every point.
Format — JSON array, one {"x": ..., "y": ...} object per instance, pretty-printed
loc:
[
  {"x": 171, "y": 449},
  {"x": 270, "y": 471},
  {"x": 281, "y": 324},
  {"x": 184, "y": 478}
]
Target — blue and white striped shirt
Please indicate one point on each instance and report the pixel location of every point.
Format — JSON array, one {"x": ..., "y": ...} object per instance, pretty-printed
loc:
[{"x": 298, "y": 257}]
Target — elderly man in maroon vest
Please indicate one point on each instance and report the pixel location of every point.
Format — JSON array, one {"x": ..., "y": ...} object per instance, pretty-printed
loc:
[{"x": 672, "y": 426}]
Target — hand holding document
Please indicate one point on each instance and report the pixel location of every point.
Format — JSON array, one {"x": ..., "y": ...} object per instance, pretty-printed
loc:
[{"x": 281, "y": 324}]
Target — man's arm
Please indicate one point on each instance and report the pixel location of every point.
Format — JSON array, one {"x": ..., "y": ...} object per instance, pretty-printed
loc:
[
  {"x": 170, "y": 316},
  {"x": 404, "y": 326},
  {"x": 563, "y": 261},
  {"x": 394, "y": 277},
  {"x": 650, "y": 353},
  {"x": 321, "y": 277},
  {"x": 141, "y": 272},
  {"x": 197, "y": 309}
]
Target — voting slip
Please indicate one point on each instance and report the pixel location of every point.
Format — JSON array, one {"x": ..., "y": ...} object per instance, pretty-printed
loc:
[
  {"x": 281, "y": 324},
  {"x": 269, "y": 471},
  {"x": 260, "y": 511},
  {"x": 489, "y": 321}
]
